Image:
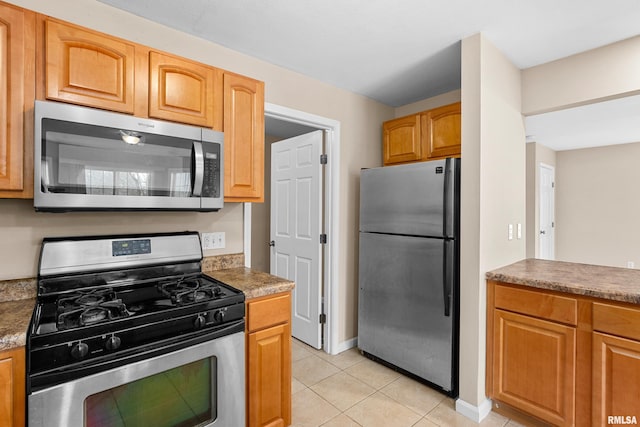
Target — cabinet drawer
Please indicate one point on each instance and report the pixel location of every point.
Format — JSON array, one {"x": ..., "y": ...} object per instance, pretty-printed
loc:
[
  {"x": 267, "y": 312},
  {"x": 616, "y": 320},
  {"x": 537, "y": 303}
]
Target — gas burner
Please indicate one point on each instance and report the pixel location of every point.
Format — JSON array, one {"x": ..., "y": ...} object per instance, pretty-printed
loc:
[
  {"x": 82, "y": 299},
  {"x": 91, "y": 314},
  {"x": 187, "y": 291}
]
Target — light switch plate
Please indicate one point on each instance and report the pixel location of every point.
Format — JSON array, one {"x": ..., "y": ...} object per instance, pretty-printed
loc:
[{"x": 213, "y": 240}]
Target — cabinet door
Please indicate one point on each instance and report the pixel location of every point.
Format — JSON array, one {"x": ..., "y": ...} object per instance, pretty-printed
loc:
[
  {"x": 401, "y": 140},
  {"x": 441, "y": 129},
  {"x": 17, "y": 81},
  {"x": 616, "y": 378},
  {"x": 534, "y": 366},
  {"x": 269, "y": 377},
  {"x": 184, "y": 91},
  {"x": 12, "y": 387},
  {"x": 243, "y": 139},
  {"x": 89, "y": 68}
]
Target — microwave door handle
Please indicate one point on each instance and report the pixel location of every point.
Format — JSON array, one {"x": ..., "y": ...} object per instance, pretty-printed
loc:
[{"x": 197, "y": 168}]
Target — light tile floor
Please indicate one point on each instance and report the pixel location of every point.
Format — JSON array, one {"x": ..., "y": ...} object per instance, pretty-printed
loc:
[{"x": 349, "y": 390}]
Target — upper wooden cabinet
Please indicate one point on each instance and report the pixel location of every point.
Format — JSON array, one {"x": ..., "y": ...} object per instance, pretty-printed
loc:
[
  {"x": 401, "y": 142},
  {"x": 17, "y": 86},
  {"x": 428, "y": 135},
  {"x": 94, "y": 69},
  {"x": 184, "y": 91},
  {"x": 244, "y": 139},
  {"x": 441, "y": 131},
  {"x": 89, "y": 68}
]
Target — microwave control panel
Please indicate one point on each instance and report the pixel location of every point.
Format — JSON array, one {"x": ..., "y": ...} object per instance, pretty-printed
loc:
[{"x": 211, "y": 179}]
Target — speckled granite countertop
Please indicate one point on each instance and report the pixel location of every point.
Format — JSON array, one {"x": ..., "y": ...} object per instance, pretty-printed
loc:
[
  {"x": 17, "y": 300},
  {"x": 612, "y": 283},
  {"x": 253, "y": 283}
]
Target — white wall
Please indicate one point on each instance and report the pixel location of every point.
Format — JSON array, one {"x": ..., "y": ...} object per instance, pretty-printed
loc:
[
  {"x": 360, "y": 120},
  {"x": 598, "y": 205},
  {"x": 493, "y": 194}
]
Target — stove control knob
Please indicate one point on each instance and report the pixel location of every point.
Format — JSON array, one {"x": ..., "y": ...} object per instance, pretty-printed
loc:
[
  {"x": 219, "y": 316},
  {"x": 79, "y": 350},
  {"x": 112, "y": 343},
  {"x": 199, "y": 322}
]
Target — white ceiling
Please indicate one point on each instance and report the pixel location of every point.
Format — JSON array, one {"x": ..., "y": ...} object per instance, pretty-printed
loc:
[{"x": 395, "y": 51}]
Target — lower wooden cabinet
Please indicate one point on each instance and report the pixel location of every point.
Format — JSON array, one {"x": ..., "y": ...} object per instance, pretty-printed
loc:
[
  {"x": 616, "y": 378},
  {"x": 12, "y": 387},
  {"x": 269, "y": 361},
  {"x": 568, "y": 360},
  {"x": 534, "y": 366}
]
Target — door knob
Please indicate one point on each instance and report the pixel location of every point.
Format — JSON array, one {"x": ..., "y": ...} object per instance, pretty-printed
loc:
[
  {"x": 543, "y": 232},
  {"x": 272, "y": 243}
]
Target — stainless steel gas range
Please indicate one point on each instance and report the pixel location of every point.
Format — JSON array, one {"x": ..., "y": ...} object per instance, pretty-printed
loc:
[{"x": 128, "y": 331}]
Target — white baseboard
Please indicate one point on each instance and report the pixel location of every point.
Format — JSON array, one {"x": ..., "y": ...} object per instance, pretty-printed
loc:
[
  {"x": 345, "y": 345},
  {"x": 475, "y": 413}
]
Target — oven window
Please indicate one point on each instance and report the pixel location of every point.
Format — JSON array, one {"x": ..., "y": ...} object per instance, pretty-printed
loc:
[{"x": 183, "y": 396}]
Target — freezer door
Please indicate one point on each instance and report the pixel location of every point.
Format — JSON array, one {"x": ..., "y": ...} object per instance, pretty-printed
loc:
[
  {"x": 414, "y": 199},
  {"x": 405, "y": 316}
]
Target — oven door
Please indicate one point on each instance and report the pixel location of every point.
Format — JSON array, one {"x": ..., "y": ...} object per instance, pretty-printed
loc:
[{"x": 201, "y": 385}]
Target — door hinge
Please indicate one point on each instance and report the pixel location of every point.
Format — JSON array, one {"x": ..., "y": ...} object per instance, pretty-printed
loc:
[
  {"x": 323, "y": 318},
  {"x": 553, "y": 184},
  {"x": 323, "y": 238},
  {"x": 323, "y": 159}
]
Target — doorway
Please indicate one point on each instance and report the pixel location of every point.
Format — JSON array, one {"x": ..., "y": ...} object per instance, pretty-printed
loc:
[
  {"x": 282, "y": 123},
  {"x": 546, "y": 231}
]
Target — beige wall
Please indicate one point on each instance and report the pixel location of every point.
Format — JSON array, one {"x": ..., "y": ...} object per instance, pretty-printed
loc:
[
  {"x": 599, "y": 74},
  {"x": 360, "y": 120},
  {"x": 598, "y": 205},
  {"x": 536, "y": 154},
  {"x": 493, "y": 193},
  {"x": 429, "y": 103},
  {"x": 261, "y": 217}
]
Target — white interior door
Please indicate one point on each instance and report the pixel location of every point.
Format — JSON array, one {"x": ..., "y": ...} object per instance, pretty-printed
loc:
[
  {"x": 546, "y": 233},
  {"x": 296, "y": 225}
]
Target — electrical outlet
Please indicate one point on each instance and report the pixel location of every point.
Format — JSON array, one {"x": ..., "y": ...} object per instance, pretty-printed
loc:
[
  {"x": 206, "y": 240},
  {"x": 212, "y": 240}
]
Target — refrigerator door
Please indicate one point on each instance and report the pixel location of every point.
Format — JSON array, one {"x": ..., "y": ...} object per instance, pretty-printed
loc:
[
  {"x": 402, "y": 302},
  {"x": 416, "y": 199}
]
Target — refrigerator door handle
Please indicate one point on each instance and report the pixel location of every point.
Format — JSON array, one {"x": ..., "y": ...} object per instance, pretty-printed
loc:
[
  {"x": 449, "y": 275},
  {"x": 448, "y": 197}
]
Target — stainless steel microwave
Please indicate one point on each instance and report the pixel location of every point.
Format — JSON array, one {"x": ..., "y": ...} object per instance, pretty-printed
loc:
[{"x": 88, "y": 159}]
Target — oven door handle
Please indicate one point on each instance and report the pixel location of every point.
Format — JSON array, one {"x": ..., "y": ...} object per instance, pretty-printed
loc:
[{"x": 197, "y": 168}]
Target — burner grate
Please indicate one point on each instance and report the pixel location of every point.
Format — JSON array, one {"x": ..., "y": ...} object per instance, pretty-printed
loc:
[
  {"x": 187, "y": 291},
  {"x": 89, "y": 307}
]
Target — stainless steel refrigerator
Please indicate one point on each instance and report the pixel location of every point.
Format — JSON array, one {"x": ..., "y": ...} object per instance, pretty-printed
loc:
[{"x": 409, "y": 270}]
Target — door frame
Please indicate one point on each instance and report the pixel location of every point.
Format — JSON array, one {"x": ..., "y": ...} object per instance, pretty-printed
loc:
[
  {"x": 552, "y": 169},
  {"x": 331, "y": 205}
]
